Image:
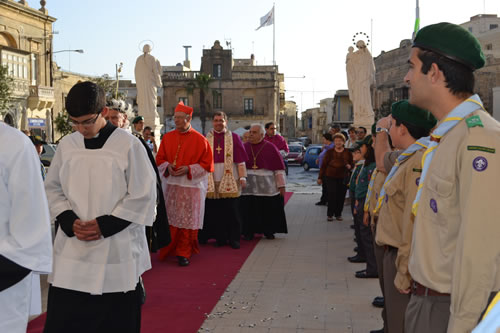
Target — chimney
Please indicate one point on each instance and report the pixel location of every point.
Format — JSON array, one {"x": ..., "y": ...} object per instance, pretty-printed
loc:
[{"x": 187, "y": 63}]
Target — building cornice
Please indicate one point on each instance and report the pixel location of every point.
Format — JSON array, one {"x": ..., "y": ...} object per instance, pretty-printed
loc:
[{"x": 26, "y": 10}]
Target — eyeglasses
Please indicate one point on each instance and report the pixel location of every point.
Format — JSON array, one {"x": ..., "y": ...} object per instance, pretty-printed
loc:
[{"x": 85, "y": 123}]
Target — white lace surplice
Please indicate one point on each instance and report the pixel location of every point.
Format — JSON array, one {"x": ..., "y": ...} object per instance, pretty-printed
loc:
[{"x": 185, "y": 198}]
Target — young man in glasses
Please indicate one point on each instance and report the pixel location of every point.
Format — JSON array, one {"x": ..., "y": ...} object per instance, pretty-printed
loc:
[{"x": 101, "y": 190}]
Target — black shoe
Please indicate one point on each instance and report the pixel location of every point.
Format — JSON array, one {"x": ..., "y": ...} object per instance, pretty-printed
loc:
[
  {"x": 356, "y": 259},
  {"x": 356, "y": 249},
  {"x": 220, "y": 243},
  {"x": 365, "y": 275},
  {"x": 183, "y": 261},
  {"x": 378, "y": 302},
  {"x": 361, "y": 271},
  {"x": 270, "y": 236},
  {"x": 320, "y": 203},
  {"x": 378, "y": 331},
  {"x": 234, "y": 244},
  {"x": 352, "y": 226}
]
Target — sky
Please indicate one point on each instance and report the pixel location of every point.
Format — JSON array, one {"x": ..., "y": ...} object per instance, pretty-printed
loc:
[{"x": 311, "y": 37}]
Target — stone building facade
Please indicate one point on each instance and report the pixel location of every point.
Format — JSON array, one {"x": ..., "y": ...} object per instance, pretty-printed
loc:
[
  {"x": 343, "y": 113},
  {"x": 314, "y": 124},
  {"x": 247, "y": 93},
  {"x": 392, "y": 66},
  {"x": 25, "y": 49},
  {"x": 288, "y": 120}
]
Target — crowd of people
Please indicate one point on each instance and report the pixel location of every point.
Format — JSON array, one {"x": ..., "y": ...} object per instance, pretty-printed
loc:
[
  {"x": 421, "y": 189},
  {"x": 114, "y": 198}
]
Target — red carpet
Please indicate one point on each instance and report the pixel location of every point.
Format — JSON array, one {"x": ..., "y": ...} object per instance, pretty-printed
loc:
[{"x": 177, "y": 298}]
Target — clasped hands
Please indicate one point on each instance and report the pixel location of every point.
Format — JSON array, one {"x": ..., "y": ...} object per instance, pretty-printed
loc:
[
  {"x": 86, "y": 230},
  {"x": 177, "y": 171}
]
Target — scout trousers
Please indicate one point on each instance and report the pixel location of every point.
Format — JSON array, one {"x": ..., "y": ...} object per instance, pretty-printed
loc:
[
  {"x": 379, "y": 258},
  {"x": 429, "y": 314},
  {"x": 366, "y": 239},
  {"x": 395, "y": 302}
]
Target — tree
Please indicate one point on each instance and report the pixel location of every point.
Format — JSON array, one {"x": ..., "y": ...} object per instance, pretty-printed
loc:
[
  {"x": 5, "y": 89},
  {"x": 62, "y": 125},
  {"x": 202, "y": 82},
  {"x": 109, "y": 86}
]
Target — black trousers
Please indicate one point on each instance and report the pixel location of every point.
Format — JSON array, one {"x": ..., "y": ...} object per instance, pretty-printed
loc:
[
  {"x": 336, "y": 196},
  {"x": 366, "y": 239},
  {"x": 357, "y": 230},
  {"x": 324, "y": 191},
  {"x": 79, "y": 312}
]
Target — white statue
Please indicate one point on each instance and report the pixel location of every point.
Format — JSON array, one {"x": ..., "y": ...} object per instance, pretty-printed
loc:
[
  {"x": 148, "y": 80},
  {"x": 360, "y": 76}
]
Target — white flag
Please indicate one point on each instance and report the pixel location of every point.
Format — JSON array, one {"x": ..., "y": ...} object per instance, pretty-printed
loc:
[{"x": 267, "y": 19}]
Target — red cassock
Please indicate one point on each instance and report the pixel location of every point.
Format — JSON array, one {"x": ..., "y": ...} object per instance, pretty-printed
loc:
[{"x": 184, "y": 195}]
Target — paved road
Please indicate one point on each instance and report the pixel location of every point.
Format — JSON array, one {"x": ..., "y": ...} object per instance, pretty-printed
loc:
[
  {"x": 301, "y": 181},
  {"x": 301, "y": 281}
]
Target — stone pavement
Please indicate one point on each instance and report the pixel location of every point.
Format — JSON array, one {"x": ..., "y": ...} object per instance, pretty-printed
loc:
[{"x": 301, "y": 281}]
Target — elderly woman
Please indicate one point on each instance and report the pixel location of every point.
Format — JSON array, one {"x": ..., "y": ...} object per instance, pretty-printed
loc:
[{"x": 335, "y": 166}]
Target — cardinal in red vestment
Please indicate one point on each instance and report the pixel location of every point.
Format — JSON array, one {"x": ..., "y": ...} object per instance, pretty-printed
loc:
[{"x": 184, "y": 160}]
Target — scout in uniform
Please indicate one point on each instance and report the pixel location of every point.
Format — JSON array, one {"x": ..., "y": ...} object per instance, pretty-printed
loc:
[
  {"x": 358, "y": 166},
  {"x": 455, "y": 246},
  {"x": 371, "y": 218},
  {"x": 409, "y": 130}
]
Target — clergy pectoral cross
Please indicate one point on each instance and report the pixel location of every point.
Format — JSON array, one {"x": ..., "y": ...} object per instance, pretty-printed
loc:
[
  {"x": 254, "y": 166},
  {"x": 218, "y": 149}
]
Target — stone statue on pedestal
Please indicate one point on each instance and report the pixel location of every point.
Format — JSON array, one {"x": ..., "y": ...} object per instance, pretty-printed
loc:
[
  {"x": 148, "y": 80},
  {"x": 360, "y": 76}
]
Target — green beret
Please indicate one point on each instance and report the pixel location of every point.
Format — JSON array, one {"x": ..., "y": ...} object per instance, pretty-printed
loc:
[
  {"x": 413, "y": 115},
  {"x": 453, "y": 42},
  {"x": 137, "y": 119}
]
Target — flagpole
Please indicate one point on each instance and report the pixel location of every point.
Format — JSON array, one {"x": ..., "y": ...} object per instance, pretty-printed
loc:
[{"x": 274, "y": 31}]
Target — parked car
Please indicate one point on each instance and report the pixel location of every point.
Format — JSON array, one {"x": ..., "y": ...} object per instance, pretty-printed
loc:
[
  {"x": 48, "y": 154},
  {"x": 305, "y": 141},
  {"x": 296, "y": 154},
  {"x": 310, "y": 157}
]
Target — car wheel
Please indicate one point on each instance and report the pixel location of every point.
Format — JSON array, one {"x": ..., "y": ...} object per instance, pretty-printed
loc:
[{"x": 306, "y": 166}]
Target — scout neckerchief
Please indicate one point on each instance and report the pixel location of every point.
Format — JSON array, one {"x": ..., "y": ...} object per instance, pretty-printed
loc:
[
  {"x": 419, "y": 144},
  {"x": 452, "y": 119},
  {"x": 228, "y": 187},
  {"x": 359, "y": 165},
  {"x": 370, "y": 188}
]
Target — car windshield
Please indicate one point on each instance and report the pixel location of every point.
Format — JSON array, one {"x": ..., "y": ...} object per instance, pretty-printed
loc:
[{"x": 295, "y": 149}]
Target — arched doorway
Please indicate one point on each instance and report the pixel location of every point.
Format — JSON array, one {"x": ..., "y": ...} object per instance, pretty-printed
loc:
[{"x": 8, "y": 119}]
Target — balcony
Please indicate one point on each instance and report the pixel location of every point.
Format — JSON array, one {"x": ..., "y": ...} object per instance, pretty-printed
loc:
[
  {"x": 20, "y": 88},
  {"x": 180, "y": 76},
  {"x": 40, "y": 97}
]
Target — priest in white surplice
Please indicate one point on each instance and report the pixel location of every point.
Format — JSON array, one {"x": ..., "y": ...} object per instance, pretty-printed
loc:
[
  {"x": 101, "y": 190},
  {"x": 25, "y": 239}
]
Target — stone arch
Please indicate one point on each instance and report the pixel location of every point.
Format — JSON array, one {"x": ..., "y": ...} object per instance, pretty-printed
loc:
[{"x": 6, "y": 39}]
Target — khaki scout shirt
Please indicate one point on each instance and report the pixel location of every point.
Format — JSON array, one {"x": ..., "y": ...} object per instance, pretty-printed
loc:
[
  {"x": 456, "y": 237},
  {"x": 377, "y": 187},
  {"x": 395, "y": 223}
]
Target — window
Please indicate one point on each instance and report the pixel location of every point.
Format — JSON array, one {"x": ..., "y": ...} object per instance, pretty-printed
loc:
[
  {"x": 470, "y": 29},
  {"x": 217, "y": 71},
  {"x": 16, "y": 64},
  {"x": 184, "y": 100},
  {"x": 489, "y": 47},
  {"x": 493, "y": 26},
  {"x": 217, "y": 99},
  {"x": 248, "y": 105},
  {"x": 34, "y": 69}
]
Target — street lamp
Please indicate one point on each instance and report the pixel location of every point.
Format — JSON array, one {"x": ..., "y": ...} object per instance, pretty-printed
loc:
[
  {"x": 50, "y": 53},
  {"x": 77, "y": 51}
]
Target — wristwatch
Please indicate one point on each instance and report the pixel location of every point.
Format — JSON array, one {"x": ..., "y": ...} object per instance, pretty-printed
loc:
[{"x": 381, "y": 129}]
